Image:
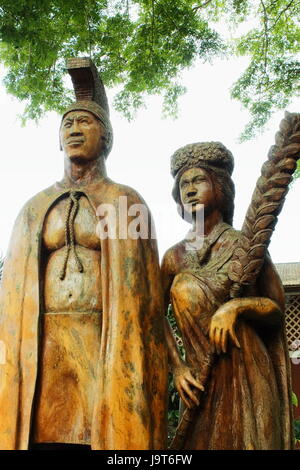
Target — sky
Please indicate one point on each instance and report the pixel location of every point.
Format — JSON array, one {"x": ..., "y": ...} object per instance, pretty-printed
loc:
[{"x": 31, "y": 159}]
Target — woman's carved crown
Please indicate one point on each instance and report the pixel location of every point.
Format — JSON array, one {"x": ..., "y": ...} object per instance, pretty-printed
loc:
[{"x": 207, "y": 154}]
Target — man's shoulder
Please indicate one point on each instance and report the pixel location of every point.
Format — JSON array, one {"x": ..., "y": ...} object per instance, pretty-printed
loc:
[
  {"x": 118, "y": 190},
  {"x": 38, "y": 201}
]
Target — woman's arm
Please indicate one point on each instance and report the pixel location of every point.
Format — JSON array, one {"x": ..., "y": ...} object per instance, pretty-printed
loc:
[
  {"x": 222, "y": 326},
  {"x": 269, "y": 283},
  {"x": 183, "y": 378},
  {"x": 267, "y": 310}
]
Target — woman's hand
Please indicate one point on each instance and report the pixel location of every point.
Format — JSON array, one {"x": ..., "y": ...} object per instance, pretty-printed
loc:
[
  {"x": 222, "y": 327},
  {"x": 185, "y": 382}
]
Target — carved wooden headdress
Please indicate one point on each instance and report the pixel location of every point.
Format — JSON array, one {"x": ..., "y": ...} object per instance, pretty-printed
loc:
[
  {"x": 90, "y": 94},
  {"x": 213, "y": 155}
]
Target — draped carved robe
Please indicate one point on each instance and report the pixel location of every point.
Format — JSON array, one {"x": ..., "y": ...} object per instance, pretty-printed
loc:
[{"x": 131, "y": 396}]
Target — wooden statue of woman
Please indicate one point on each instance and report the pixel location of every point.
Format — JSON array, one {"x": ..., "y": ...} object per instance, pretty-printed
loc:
[{"x": 235, "y": 381}]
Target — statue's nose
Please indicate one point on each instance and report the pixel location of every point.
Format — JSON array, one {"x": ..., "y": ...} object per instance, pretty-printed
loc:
[{"x": 75, "y": 129}]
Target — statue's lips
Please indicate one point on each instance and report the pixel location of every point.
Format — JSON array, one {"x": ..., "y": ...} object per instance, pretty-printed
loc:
[
  {"x": 75, "y": 142},
  {"x": 194, "y": 201}
]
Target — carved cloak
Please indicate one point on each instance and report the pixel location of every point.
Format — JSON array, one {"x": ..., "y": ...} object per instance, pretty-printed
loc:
[{"x": 131, "y": 397}]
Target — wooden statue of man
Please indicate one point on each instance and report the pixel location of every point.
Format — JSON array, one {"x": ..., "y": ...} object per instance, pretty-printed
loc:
[{"x": 81, "y": 315}]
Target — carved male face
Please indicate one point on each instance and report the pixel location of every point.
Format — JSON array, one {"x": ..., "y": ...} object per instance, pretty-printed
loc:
[
  {"x": 196, "y": 188},
  {"x": 82, "y": 136}
]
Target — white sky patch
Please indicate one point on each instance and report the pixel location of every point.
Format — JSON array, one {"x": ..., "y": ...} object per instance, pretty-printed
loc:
[{"x": 31, "y": 160}]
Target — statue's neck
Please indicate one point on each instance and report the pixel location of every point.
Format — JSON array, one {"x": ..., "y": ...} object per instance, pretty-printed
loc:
[
  {"x": 211, "y": 219},
  {"x": 83, "y": 173}
]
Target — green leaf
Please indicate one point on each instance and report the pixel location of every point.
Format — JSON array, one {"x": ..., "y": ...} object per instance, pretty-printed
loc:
[{"x": 294, "y": 399}]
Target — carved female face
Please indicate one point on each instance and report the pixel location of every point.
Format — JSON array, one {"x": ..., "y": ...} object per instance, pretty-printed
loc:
[
  {"x": 197, "y": 189},
  {"x": 82, "y": 136}
]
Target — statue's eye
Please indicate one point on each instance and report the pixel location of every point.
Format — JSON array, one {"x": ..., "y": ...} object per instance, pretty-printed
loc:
[
  {"x": 199, "y": 179},
  {"x": 84, "y": 121}
]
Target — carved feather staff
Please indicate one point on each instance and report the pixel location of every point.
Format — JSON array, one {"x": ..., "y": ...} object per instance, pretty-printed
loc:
[
  {"x": 266, "y": 204},
  {"x": 261, "y": 218}
]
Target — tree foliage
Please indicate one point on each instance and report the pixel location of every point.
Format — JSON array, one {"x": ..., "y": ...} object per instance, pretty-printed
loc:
[
  {"x": 272, "y": 77},
  {"x": 143, "y": 45}
]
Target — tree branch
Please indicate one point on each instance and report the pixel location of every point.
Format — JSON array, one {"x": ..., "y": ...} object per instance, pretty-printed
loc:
[
  {"x": 152, "y": 24},
  {"x": 169, "y": 17},
  {"x": 87, "y": 17},
  {"x": 198, "y": 7},
  {"x": 266, "y": 38},
  {"x": 273, "y": 3},
  {"x": 281, "y": 13}
]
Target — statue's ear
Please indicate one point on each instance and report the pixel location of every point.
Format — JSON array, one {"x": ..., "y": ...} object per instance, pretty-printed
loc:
[{"x": 60, "y": 146}]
